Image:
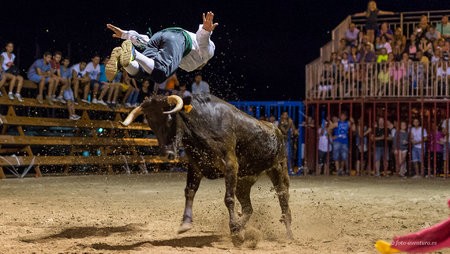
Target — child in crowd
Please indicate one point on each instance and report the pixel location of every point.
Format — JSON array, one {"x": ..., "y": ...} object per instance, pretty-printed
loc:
[
  {"x": 56, "y": 75},
  {"x": 400, "y": 146},
  {"x": 324, "y": 148},
  {"x": 12, "y": 72},
  {"x": 437, "y": 141},
  {"x": 93, "y": 70},
  {"x": 40, "y": 73}
]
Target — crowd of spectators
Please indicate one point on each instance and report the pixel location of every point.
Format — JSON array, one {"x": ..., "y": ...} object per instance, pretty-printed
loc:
[
  {"x": 85, "y": 82},
  {"x": 388, "y": 148},
  {"x": 381, "y": 54}
]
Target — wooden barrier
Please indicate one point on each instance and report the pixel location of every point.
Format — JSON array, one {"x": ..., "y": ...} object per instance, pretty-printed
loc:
[{"x": 117, "y": 139}]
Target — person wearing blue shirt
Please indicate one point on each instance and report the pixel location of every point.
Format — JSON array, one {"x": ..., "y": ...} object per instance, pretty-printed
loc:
[
  {"x": 40, "y": 73},
  {"x": 104, "y": 85},
  {"x": 340, "y": 143},
  {"x": 199, "y": 86}
]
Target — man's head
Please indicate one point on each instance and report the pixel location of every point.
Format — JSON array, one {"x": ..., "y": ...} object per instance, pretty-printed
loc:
[
  {"x": 145, "y": 83},
  {"x": 66, "y": 62},
  {"x": 82, "y": 65},
  {"x": 198, "y": 78},
  {"x": 352, "y": 27},
  {"x": 419, "y": 55},
  {"x": 182, "y": 87},
  {"x": 47, "y": 57},
  {"x": 343, "y": 116},
  {"x": 9, "y": 47},
  {"x": 105, "y": 60},
  {"x": 416, "y": 122},
  {"x": 57, "y": 55},
  {"x": 444, "y": 19},
  {"x": 272, "y": 119},
  {"x": 96, "y": 59},
  {"x": 380, "y": 122}
]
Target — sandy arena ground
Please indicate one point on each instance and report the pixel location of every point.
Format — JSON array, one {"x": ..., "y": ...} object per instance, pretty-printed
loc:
[{"x": 141, "y": 213}]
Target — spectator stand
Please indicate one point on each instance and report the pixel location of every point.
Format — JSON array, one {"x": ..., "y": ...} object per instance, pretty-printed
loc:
[
  {"x": 28, "y": 140},
  {"x": 295, "y": 109}
]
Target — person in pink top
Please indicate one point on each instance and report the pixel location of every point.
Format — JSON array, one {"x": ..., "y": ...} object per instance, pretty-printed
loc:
[{"x": 437, "y": 140}]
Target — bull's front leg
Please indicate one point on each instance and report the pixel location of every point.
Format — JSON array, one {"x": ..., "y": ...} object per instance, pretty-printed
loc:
[
  {"x": 231, "y": 169},
  {"x": 192, "y": 183}
]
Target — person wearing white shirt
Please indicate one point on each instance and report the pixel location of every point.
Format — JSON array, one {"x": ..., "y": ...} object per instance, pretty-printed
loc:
[
  {"x": 164, "y": 52},
  {"x": 199, "y": 86},
  {"x": 418, "y": 138},
  {"x": 11, "y": 72}
]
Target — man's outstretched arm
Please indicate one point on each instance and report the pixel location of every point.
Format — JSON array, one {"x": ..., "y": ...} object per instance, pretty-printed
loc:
[{"x": 136, "y": 38}]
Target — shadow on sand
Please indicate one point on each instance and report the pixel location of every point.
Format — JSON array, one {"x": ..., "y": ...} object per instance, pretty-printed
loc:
[
  {"x": 188, "y": 241},
  {"x": 84, "y": 232}
]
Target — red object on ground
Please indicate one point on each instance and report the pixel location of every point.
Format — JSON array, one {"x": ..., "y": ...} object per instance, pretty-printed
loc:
[{"x": 429, "y": 239}]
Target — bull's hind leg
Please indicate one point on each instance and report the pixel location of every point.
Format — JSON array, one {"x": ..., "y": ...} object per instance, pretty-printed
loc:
[
  {"x": 244, "y": 185},
  {"x": 280, "y": 180},
  {"x": 231, "y": 168},
  {"x": 192, "y": 183}
]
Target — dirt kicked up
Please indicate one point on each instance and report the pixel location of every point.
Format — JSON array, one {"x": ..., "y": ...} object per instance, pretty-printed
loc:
[{"x": 141, "y": 214}]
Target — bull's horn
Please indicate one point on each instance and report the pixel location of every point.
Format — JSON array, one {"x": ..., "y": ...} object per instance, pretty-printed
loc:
[
  {"x": 174, "y": 99},
  {"x": 133, "y": 114}
]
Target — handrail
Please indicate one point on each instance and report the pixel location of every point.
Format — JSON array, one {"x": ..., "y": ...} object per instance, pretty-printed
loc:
[{"x": 413, "y": 80}]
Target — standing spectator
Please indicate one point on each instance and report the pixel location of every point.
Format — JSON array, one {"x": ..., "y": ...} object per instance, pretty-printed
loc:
[
  {"x": 361, "y": 146},
  {"x": 93, "y": 70},
  {"x": 340, "y": 143},
  {"x": 437, "y": 141},
  {"x": 400, "y": 146},
  {"x": 324, "y": 148},
  {"x": 381, "y": 151},
  {"x": 80, "y": 78},
  {"x": 418, "y": 138},
  {"x": 40, "y": 73},
  {"x": 199, "y": 86},
  {"x": 273, "y": 120},
  {"x": 444, "y": 28},
  {"x": 11, "y": 69},
  {"x": 352, "y": 35},
  {"x": 371, "y": 14}
]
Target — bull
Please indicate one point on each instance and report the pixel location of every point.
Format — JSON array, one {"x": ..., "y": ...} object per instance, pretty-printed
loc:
[{"x": 219, "y": 141}]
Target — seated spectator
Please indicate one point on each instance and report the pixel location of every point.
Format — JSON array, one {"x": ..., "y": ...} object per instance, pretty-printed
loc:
[
  {"x": 420, "y": 57},
  {"x": 56, "y": 75},
  {"x": 354, "y": 56},
  {"x": 368, "y": 55},
  {"x": 114, "y": 90},
  {"x": 80, "y": 78},
  {"x": 65, "y": 77},
  {"x": 412, "y": 46},
  {"x": 383, "y": 56},
  {"x": 93, "y": 70},
  {"x": 444, "y": 28},
  {"x": 398, "y": 50},
  {"x": 105, "y": 86},
  {"x": 128, "y": 86},
  {"x": 432, "y": 34},
  {"x": 11, "y": 70},
  {"x": 426, "y": 47},
  {"x": 436, "y": 56},
  {"x": 386, "y": 44},
  {"x": 171, "y": 83},
  {"x": 145, "y": 91},
  {"x": 183, "y": 92},
  {"x": 352, "y": 35},
  {"x": 398, "y": 36},
  {"x": 4, "y": 76},
  {"x": 342, "y": 48},
  {"x": 384, "y": 31},
  {"x": 199, "y": 86},
  {"x": 40, "y": 73}
]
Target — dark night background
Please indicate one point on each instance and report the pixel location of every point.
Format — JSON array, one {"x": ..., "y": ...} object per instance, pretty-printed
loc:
[{"x": 261, "y": 46}]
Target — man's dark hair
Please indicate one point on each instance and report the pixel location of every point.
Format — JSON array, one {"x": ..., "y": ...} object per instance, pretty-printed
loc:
[
  {"x": 47, "y": 53},
  {"x": 57, "y": 53}
]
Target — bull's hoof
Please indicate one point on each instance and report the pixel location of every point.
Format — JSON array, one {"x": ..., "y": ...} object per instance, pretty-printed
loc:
[
  {"x": 237, "y": 239},
  {"x": 185, "y": 226}
]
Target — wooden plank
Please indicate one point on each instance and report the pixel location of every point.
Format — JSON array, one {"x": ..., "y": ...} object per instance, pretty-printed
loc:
[
  {"x": 29, "y": 84},
  {"x": 81, "y": 160},
  {"x": 75, "y": 141},
  {"x": 58, "y": 122},
  {"x": 32, "y": 102}
]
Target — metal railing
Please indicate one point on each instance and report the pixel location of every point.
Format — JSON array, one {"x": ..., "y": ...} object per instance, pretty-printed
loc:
[{"x": 372, "y": 80}]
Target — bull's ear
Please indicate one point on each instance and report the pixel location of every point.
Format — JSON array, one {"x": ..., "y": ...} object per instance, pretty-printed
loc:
[{"x": 187, "y": 100}]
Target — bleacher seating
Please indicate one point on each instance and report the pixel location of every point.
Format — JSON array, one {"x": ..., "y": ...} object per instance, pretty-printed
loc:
[{"x": 25, "y": 137}]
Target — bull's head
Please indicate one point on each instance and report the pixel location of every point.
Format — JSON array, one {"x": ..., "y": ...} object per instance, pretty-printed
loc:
[{"x": 158, "y": 110}]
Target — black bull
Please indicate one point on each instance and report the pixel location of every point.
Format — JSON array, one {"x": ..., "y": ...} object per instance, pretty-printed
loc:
[{"x": 220, "y": 141}]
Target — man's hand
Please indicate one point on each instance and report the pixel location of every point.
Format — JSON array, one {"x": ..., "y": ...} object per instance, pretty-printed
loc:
[
  {"x": 208, "y": 24},
  {"x": 117, "y": 31}
]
